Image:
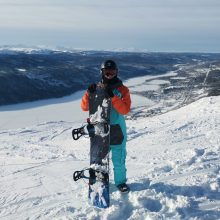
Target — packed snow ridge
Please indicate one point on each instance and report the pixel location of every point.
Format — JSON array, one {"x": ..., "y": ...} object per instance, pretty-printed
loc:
[{"x": 173, "y": 169}]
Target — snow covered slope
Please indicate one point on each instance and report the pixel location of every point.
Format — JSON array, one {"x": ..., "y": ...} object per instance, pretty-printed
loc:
[{"x": 173, "y": 167}]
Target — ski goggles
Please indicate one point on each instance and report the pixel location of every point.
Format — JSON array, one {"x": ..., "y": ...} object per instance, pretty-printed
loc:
[{"x": 109, "y": 72}]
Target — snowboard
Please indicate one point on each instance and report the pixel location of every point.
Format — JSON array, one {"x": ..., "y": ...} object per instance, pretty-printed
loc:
[{"x": 99, "y": 117}]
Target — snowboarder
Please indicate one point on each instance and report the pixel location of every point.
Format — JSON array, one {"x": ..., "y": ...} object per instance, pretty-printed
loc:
[{"x": 121, "y": 103}]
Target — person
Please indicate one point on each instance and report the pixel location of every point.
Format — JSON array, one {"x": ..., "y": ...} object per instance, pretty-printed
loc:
[{"x": 121, "y": 104}]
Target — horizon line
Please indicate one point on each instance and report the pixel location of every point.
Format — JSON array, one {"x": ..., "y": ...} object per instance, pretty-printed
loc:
[{"x": 22, "y": 47}]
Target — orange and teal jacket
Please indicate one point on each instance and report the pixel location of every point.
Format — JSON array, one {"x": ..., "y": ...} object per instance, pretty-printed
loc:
[
  {"x": 121, "y": 101},
  {"x": 121, "y": 105}
]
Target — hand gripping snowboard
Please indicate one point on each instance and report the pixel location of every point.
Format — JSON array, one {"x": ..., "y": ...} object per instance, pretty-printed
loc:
[{"x": 99, "y": 114}]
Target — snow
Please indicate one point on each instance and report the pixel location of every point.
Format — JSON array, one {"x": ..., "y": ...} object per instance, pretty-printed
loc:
[
  {"x": 96, "y": 117},
  {"x": 26, "y": 114},
  {"x": 173, "y": 163},
  {"x": 148, "y": 83},
  {"x": 139, "y": 80},
  {"x": 21, "y": 70}
]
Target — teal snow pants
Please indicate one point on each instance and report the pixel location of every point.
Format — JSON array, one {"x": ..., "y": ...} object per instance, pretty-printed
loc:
[{"x": 119, "y": 151}]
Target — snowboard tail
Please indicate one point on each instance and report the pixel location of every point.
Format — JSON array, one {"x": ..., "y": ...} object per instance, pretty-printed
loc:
[{"x": 99, "y": 189}]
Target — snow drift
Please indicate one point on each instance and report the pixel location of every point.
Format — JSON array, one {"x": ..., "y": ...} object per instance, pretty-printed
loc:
[{"x": 173, "y": 167}]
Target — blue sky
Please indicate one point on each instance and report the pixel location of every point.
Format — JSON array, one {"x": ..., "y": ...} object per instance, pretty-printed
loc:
[{"x": 154, "y": 25}]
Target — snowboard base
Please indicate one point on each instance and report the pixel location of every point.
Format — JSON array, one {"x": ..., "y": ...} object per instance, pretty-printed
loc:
[{"x": 99, "y": 115}]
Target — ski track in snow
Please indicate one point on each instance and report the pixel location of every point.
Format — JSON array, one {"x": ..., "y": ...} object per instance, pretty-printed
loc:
[{"x": 173, "y": 163}]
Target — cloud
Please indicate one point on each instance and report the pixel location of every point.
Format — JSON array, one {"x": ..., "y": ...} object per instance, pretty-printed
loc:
[
  {"x": 135, "y": 20},
  {"x": 113, "y": 14}
]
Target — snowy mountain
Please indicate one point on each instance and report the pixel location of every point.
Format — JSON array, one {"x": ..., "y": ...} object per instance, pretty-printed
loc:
[
  {"x": 29, "y": 74},
  {"x": 173, "y": 156}
]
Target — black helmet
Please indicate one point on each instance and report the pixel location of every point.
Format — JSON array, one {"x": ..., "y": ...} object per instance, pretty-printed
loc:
[{"x": 109, "y": 64}]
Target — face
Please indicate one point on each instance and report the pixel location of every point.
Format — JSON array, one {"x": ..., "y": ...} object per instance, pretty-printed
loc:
[{"x": 109, "y": 73}]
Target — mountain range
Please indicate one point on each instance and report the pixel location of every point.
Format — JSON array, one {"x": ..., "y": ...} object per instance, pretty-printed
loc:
[{"x": 29, "y": 74}]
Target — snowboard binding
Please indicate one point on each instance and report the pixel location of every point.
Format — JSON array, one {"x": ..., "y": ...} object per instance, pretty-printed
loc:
[
  {"x": 80, "y": 175},
  {"x": 84, "y": 130},
  {"x": 78, "y": 132},
  {"x": 94, "y": 175}
]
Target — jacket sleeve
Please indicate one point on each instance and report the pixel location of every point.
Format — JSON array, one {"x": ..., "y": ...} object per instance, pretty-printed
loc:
[
  {"x": 85, "y": 102},
  {"x": 123, "y": 104}
]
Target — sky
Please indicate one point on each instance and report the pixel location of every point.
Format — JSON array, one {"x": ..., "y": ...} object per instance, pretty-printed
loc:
[{"x": 149, "y": 25}]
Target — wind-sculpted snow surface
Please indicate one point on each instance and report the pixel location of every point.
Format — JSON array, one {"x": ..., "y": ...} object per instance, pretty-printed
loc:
[{"x": 173, "y": 163}]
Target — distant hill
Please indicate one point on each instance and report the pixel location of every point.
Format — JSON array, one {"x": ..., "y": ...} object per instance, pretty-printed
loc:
[{"x": 34, "y": 74}]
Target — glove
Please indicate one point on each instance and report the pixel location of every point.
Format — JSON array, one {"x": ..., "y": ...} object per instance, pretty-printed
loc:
[
  {"x": 109, "y": 92},
  {"x": 92, "y": 88}
]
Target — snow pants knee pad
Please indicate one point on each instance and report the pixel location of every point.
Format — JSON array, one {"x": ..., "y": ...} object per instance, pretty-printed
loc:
[{"x": 118, "y": 160}]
